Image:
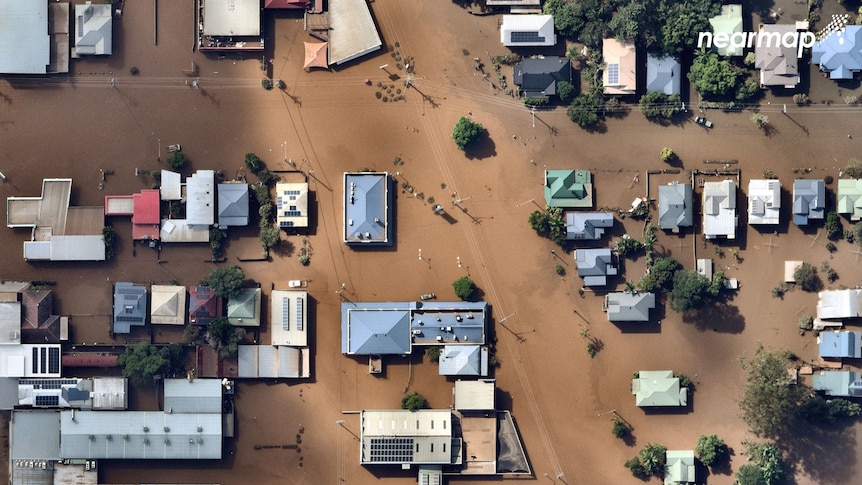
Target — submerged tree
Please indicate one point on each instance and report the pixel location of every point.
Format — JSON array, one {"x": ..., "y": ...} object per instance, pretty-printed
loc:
[
  {"x": 466, "y": 133},
  {"x": 769, "y": 398}
]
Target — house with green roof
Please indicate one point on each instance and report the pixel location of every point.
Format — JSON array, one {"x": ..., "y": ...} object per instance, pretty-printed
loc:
[
  {"x": 850, "y": 198},
  {"x": 679, "y": 467},
  {"x": 569, "y": 188},
  {"x": 243, "y": 309},
  {"x": 727, "y": 23},
  {"x": 654, "y": 388}
]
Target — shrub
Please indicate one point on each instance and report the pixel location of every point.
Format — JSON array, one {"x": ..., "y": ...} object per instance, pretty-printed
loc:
[
  {"x": 252, "y": 163},
  {"x": 805, "y": 275},
  {"x": 660, "y": 105},
  {"x": 433, "y": 353},
  {"x": 413, "y": 401},
  {"x": 634, "y": 464},
  {"x": 586, "y": 109},
  {"x": 620, "y": 430},
  {"x": 280, "y": 84},
  {"x": 266, "y": 83},
  {"x": 559, "y": 270},
  {"x": 177, "y": 161},
  {"x": 806, "y": 322},
  {"x": 832, "y": 226},
  {"x": 464, "y": 288},
  {"x": 710, "y": 449},
  {"x": 853, "y": 169},
  {"x": 628, "y": 246},
  {"x": 108, "y": 239},
  {"x": 801, "y": 99},
  {"x": 566, "y": 91},
  {"x": 815, "y": 409},
  {"x": 667, "y": 155}
]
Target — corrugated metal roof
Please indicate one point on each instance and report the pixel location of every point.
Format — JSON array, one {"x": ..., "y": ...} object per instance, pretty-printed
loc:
[
  {"x": 352, "y": 30},
  {"x": 475, "y": 395},
  {"x": 289, "y": 317},
  {"x": 425, "y": 434},
  {"x": 233, "y": 204},
  {"x": 247, "y": 361},
  {"x": 24, "y": 42},
  {"x": 183, "y": 396},
  {"x": 146, "y": 207},
  {"x": 34, "y": 435}
]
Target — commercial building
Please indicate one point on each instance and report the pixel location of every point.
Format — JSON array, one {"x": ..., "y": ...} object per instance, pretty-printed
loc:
[
  {"x": 367, "y": 209},
  {"x": 94, "y": 25}
]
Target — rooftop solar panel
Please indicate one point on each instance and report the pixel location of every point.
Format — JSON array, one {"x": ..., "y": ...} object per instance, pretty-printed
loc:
[
  {"x": 299, "y": 322},
  {"x": 285, "y": 314},
  {"x": 613, "y": 73}
]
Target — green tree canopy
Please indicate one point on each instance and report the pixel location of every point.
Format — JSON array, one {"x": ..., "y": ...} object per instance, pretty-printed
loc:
[
  {"x": 660, "y": 105},
  {"x": 769, "y": 398},
  {"x": 805, "y": 275},
  {"x": 566, "y": 91},
  {"x": 818, "y": 410},
  {"x": 653, "y": 457},
  {"x": 712, "y": 76},
  {"x": 466, "y": 133},
  {"x": 140, "y": 362},
  {"x": 768, "y": 458},
  {"x": 750, "y": 474},
  {"x": 660, "y": 275},
  {"x": 832, "y": 225},
  {"x": 177, "y": 161},
  {"x": 682, "y": 20},
  {"x": 464, "y": 288},
  {"x": 626, "y": 23},
  {"x": 690, "y": 290},
  {"x": 252, "y": 162},
  {"x": 586, "y": 109},
  {"x": 226, "y": 282},
  {"x": 710, "y": 449},
  {"x": 413, "y": 401},
  {"x": 224, "y": 337}
]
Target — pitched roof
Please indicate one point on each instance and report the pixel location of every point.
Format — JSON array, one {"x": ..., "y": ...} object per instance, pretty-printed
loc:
[
  {"x": 837, "y": 383},
  {"x": 463, "y": 360},
  {"x": 94, "y": 29},
  {"x": 764, "y": 201},
  {"x": 839, "y": 53},
  {"x": 620, "y": 73},
  {"x": 840, "y": 344},
  {"x": 658, "y": 388},
  {"x": 366, "y": 208},
  {"x": 243, "y": 309},
  {"x": 377, "y": 332},
  {"x": 289, "y": 317},
  {"x": 39, "y": 324},
  {"x": 719, "y": 209},
  {"x": 568, "y": 188},
  {"x": 204, "y": 305},
  {"x": 679, "y": 467},
  {"x": 291, "y": 204},
  {"x": 836, "y": 304},
  {"x": 663, "y": 74},
  {"x": 539, "y": 77},
  {"x": 595, "y": 265},
  {"x": 809, "y": 200},
  {"x": 674, "y": 206},
  {"x": 168, "y": 305},
  {"x": 527, "y": 30},
  {"x": 200, "y": 198},
  {"x": 629, "y": 307},
  {"x": 778, "y": 64},
  {"x": 233, "y": 204},
  {"x": 130, "y": 306},
  {"x": 587, "y": 225},
  {"x": 850, "y": 198},
  {"x": 352, "y": 31},
  {"x": 729, "y": 21}
]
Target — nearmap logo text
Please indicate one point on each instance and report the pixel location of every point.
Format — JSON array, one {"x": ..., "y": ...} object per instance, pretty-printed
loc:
[{"x": 791, "y": 40}]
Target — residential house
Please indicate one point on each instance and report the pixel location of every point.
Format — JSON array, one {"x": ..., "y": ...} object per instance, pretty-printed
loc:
[
  {"x": 764, "y": 201},
  {"x": 167, "y": 305},
  {"x": 837, "y": 383},
  {"x": 569, "y": 188},
  {"x": 725, "y": 24},
  {"x": 663, "y": 74},
  {"x": 367, "y": 208},
  {"x": 839, "y": 53},
  {"x": 839, "y": 304},
  {"x": 130, "y": 306},
  {"x": 675, "y": 206},
  {"x": 719, "y": 209},
  {"x": 232, "y": 204},
  {"x": 464, "y": 360},
  {"x": 291, "y": 204},
  {"x": 679, "y": 467},
  {"x": 204, "y": 305},
  {"x": 658, "y": 388},
  {"x": 243, "y": 309},
  {"x": 833, "y": 344},
  {"x": 777, "y": 61},
  {"x": 628, "y": 307},
  {"x": 595, "y": 265},
  {"x": 39, "y": 324},
  {"x": 538, "y": 78},
  {"x": 93, "y": 29},
  {"x": 589, "y": 226},
  {"x": 809, "y": 200},
  {"x": 850, "y": 198},
  {"x": 620, "y": 73},
  {"x": 527, "y": 31},
  {"x": 393, "y": 328},
  {"x": 199, "y": 195}
]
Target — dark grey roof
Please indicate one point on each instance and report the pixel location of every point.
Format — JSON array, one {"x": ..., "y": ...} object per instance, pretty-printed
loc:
[
  {"x": 130, "y": 306},
  {"x": 595, "y": 265},
  {"x": 539, "y": 77},
  {"x": 663, "y": 74},
  {"x": 809, "y": 200},
  {"x": 587, "y": 225},
  {"x": 233, "y": 204},
  {"x": 674, "y": 206}
]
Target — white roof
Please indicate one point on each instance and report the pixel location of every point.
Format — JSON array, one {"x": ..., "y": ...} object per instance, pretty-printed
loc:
[
  {"x": 289, "y": 317},
  {"x": 839, "y": 304},
  {"x": 93, "y": 29},
  {"x": 428, "y": 432},
  {"x": 179, "y": 230},
  {"x": 170, "y": 185},
  {"x": 267, "y": 361},
  {"x": 291, "y": 204},
  {"x": 66, "y": 248},
  {"x": 24, "y": 42},
  {"x": 764, "y": 201},
  {"x": 532, "y": 30},
  {"x": 475, "y": 395},
  {"x": 719, "y": 209},
  {"x": 352, "y": 31},
  {"x": 231, "y": 17},
  {"x": 17, "y": 360},
  {"x": 110, "y": 393},
  {"x": 200, "y": 198}
]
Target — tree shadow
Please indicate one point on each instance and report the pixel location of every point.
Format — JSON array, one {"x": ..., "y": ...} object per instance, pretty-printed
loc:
[
  {"x": 484, "y": 147},
  {"x": 718, "y": 317},
  {"x": 722, "y": 467},
  {"x": 827, "y": 453}
]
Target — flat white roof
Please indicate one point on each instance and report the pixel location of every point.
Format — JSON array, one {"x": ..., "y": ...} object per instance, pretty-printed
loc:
[
  {"x": 200, "y": 198},
  {"x": 231, "y": 17},
  {"x": 170, "y": 185},
  {"x": 24, "y": 42},
  {"x": 179, "y": 230},
  {"x": 289, "y": 317},
  {"x": 352, "y": 30}
]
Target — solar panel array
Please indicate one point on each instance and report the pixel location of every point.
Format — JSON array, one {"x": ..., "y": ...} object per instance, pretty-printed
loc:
[
  {"x": 299, "y": 320},
  {"x": 48, "y": 383},
  {"x": 395, "y": 450},
  {"x": 613, "y": 73},
  {"x": 526, "y": 37},
  {"x": 285, "y": 314},
  {"x": 48, "y": 401},
  {"x": 53, "y": 360}
]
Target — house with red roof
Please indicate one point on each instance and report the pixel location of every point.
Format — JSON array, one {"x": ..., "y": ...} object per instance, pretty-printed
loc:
[{"x": 204, "y": 305}]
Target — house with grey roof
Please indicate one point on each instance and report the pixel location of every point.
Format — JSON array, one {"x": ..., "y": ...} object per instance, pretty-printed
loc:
[
  {"x": 393, "y": 328},
  {"x": 809, "y": 200},
  {"x": 832, "y": 344},
  {"x": 243, "y": 309},
  {"x": 843, "y": 383},
  {"x": 839, "y": 304},
  {"x": 777, "y": 61},
  {"x": 658, "y": 388},
  {"x": 464, "y": 360},
  {"x": 130, "y": 306},
  {"x": 588, "y": 226},
  {"x": 232, "y": 204},
  {"x": 719, "y": 209},
  {"x": 192, "y": 396},
  {"x": 628, "y": 307},
  {"x": 595, "y": 265},
  {"x": 663, "y": 74},
  {"x": 273, "y": 362},
  {"x": 679, "y": 467},
  {"x": 538, "y": 78},
  {"x": 675, "y": 206},
  {"x": 367, "y": 208}
]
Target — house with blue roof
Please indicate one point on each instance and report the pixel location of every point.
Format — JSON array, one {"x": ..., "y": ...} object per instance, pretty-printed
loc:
[
  {"x": 663, "y": 74},
  {"x": 837, "y": 383},
  {"x": 538, "y": 78},
  {"x": 367, "y": 208},
  {"x": 840, "y": 344},
  {"x": 232, "y": 204},
  {"x": 839, "y": 53},
  {"x": 393, "y": 328},
  {"x": 569, "y": 188},
  {"x": 588, "y": 226},
  {"x": 595, "y": 265},
  {"x": 675, "y": 203},
  {"x": 809, "y": 200},
  {"x": 130, "y": 306},
  {"x": 464, "y": 360}
]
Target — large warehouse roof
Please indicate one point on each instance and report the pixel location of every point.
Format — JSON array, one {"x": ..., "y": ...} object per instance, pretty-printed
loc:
[
  {"x": 24, "y": 41},
  {"x": 231, "y": 17}
]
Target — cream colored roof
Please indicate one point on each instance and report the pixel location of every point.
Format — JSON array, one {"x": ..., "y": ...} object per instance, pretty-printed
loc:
[{"x": 168, "y": 305}]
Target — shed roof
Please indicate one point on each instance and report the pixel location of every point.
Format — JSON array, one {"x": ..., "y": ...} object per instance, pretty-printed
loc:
[
  {"x": 146, "y": 207},
  {"x": 478, "y": 395},
  {"x": 10, "y": 322},
  {"x": 838, "y": 304},
  {"x": 184, "y": 396},
  {"x": 200, "y": 198}
]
